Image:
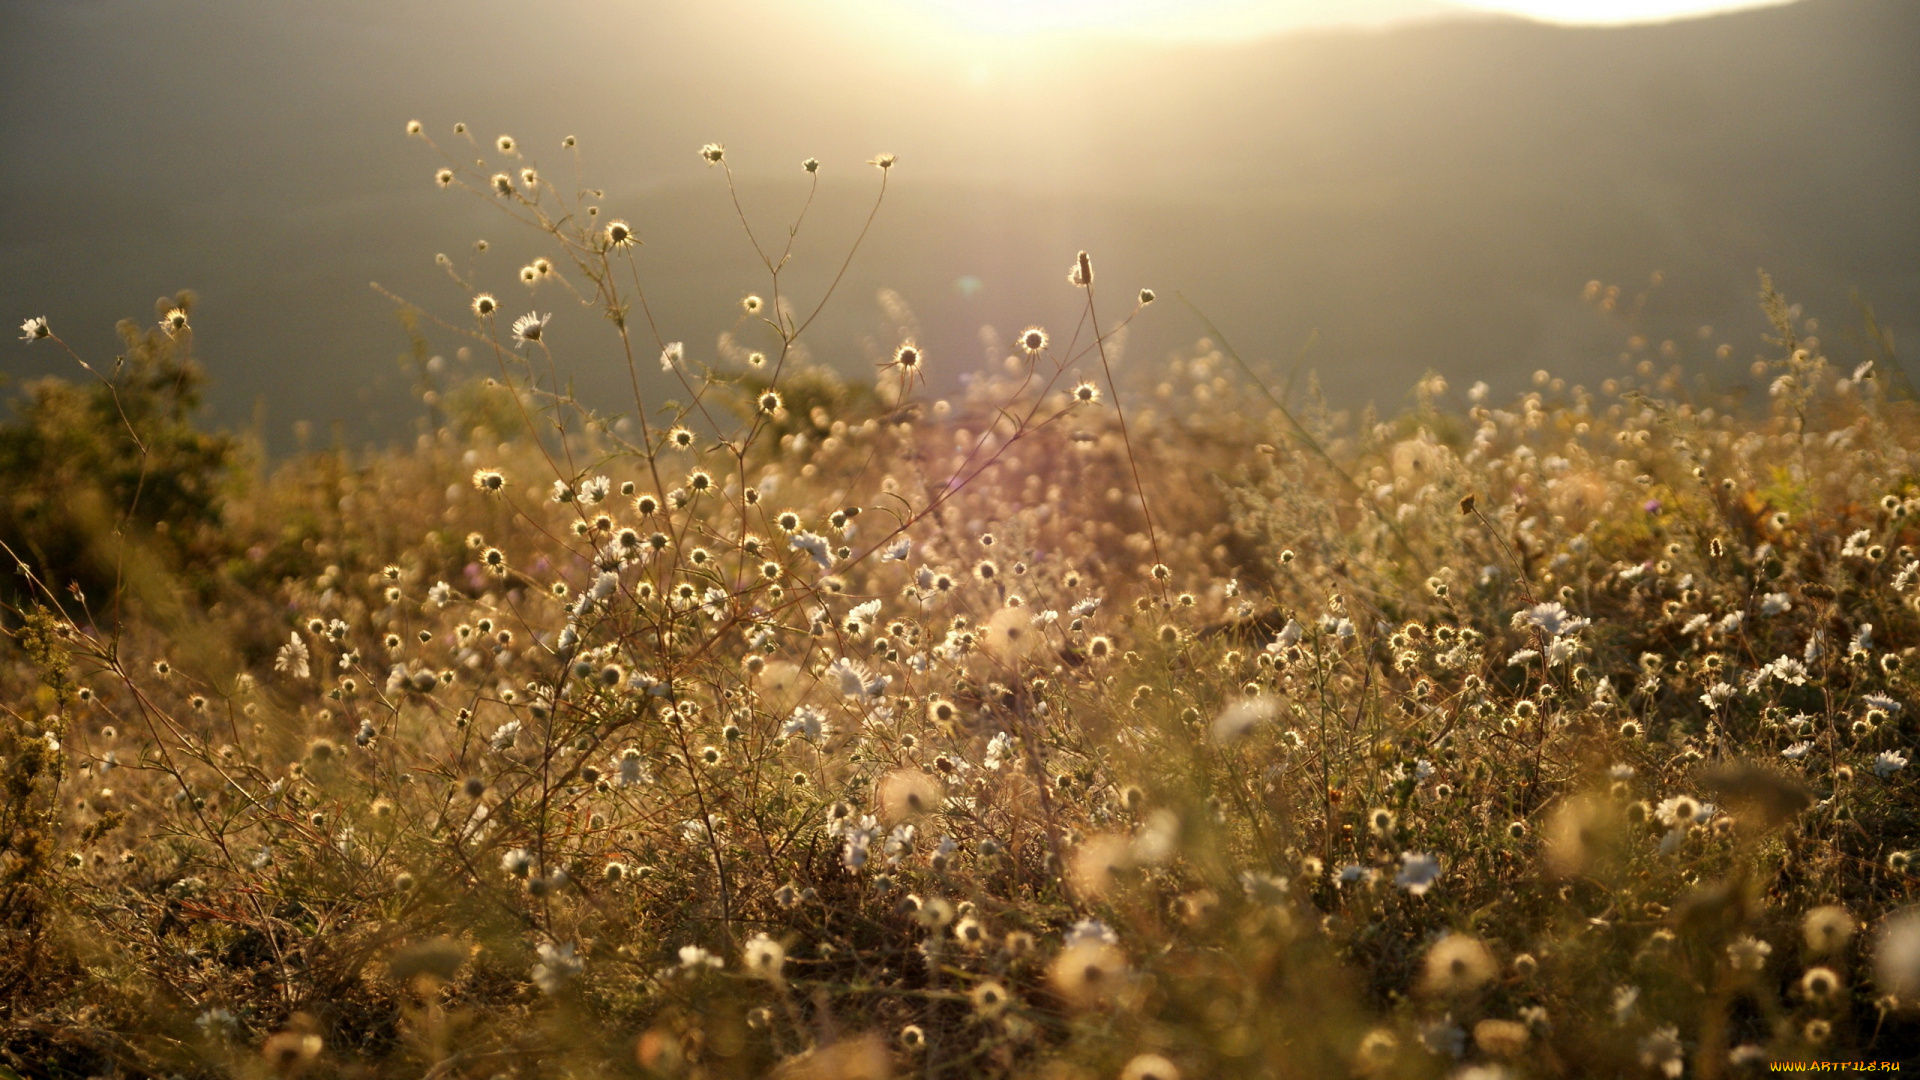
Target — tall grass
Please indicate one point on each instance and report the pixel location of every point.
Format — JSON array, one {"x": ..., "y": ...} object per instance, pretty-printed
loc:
[{"x": 1090, "y": 722}]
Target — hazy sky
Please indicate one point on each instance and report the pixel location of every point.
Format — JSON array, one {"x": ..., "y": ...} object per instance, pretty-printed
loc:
[{"x": 1229, "y": 19}]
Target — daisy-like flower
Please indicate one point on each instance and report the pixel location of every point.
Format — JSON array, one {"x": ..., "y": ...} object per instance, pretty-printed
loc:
[
  {"x": 174, "y": 321},
  {"x": 1033, "y": 339},
  {"x": 1888, "y": 763},
  {"x": 529, "y": 327},
  {"x": 713, "y": 153},
  {"x": 1086, "y": 394},
  {"x": 909, "y": 360},
  {"x": 764, "y": 957},
  {"x": 443, "y": 177},
  {"x": 35, "y": 328},
  {"x": 1417, "y": 872},
  {"x": 1680, "y": 810},
  {"x": 620, "y": 234},
  {"x": 292, "y": 658},
  {"x": 673, "y": 354},
  {"x": 484, "y": 305},
  {"x": 557, "y": 967},
  {"x": 1661, "y": 1049},
  {"x": 505, "y": 144},
  {"x": 1748, "y": 954}
]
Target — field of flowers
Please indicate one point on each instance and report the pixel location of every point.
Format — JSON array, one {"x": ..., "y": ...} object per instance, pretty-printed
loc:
[{"x": 1105, "y": 718}]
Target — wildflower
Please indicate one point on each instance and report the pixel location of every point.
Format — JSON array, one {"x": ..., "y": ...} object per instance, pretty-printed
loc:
[
  {"x": 1748, "y": 953},
  {"x": 1827, "y": 929},
  {"x": 1087, "y": 971},
  {"x": 1033, "y": 339},
  {"x": 505, "y": 736},
  {"x": 989, "y": 998},
  {"x": 1888, "y": 763},
  {"x": 883, "y": 162},
  {"x": 1378, "y": 1048},
  {"x": 905, "y": 793},
  {"x": 674, "y": 353},
  {"x": 518, "y": 862},
  {"x": 1146, "y": 297},
  {"x": 909, "y": 359},
  {"x": 912, "y": 1038},
  {"x": 763, "y": 957},
  {"x": 619, "y": 234},
  {"x": 769, "y": 402},
  {"x": 1381, "y": 822},
  {"x": 529, "y": 327},
  {"x": 1661, "y": 1049},
  {"x": 502, "y": 184},
  {"x": 693, "y": 958},
  {"x": 505, "y": 144},
  {"x": 713, "y": 153},
  {"x": 1081, "y": 272},
  {"x": 1086, "y": 394},
  {"x": 217, "y": 1023},
  {"x": 292, "y": 657},
  {"x": 174, "y": 321},
  {"x": 1680, "y": 810},
  {"x": 490, "y": 481},
  {"x": 811, "y": 165},
  {"x": 556, "y": 968},
  {"x": 1458, "y": 964},
  {"x": 1551, "y": 619},
  {"x": 35, "y": 328},
  {"x": 1820, "y": 984},
  {"x": 443, "y": 177},
  {"x": 1417, "y": 872}
]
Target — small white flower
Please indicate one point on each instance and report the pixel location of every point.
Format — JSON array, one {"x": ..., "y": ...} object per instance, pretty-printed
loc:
[
  {"x": 1888, "y": 763},
  {"x": 529, "y": 327},
  {"x": 1417, "y": 872},
  {"x": 504, "y": 736},
  {"x": 556, "y": 968},
  {"x": 1661, "y": 1049},
  {"x": 35, "y": 328},
  {"x": 292, "y": 658},
  {"x": 1776, "y": 603},
  {"x": 673, "y": 354},
  {"x": 1748, "y": 954},
  {"x": 1797, "y": 750},
  {"x": 764, "y": 957}
]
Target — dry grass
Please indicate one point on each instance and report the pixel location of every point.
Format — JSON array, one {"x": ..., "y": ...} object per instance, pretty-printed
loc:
[{"x": 867, "y": 734}]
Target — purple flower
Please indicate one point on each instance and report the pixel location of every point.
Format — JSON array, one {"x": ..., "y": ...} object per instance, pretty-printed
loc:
[{"x": 1653, "y": 506}]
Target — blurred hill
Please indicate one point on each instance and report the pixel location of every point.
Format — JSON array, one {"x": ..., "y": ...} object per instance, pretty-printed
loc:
[{"x": 1433, "y": 194}]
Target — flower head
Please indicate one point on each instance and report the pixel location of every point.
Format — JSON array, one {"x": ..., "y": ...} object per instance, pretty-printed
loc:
[
  {"x": 529, "y": 327},
  {"x": 35, "y": 328}
]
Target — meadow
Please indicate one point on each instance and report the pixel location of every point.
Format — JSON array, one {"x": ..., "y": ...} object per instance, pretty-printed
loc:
[{"x": 1104, "y": 717}]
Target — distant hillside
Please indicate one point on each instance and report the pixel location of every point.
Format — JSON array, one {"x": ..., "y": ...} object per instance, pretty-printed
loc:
[{"x": 1428, "y": 196}]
